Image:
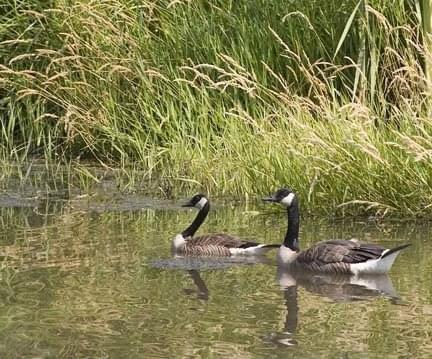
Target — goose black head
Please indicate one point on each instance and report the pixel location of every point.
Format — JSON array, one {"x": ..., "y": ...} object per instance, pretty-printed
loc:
[
  {"x": 284, "y": 196},
  {"x": 197, "y": 201}
]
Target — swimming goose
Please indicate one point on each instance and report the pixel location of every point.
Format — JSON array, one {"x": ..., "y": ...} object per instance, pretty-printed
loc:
[
  {"x": 218, "y": 244},
  {"x": 334, "y": 256}
]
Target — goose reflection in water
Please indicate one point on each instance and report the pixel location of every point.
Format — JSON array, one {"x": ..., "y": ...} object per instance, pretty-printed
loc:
[
  {"x": 201, "y": 291},
  {"x": 338, "y": 288},
  {"x": 195, "y": 265}
]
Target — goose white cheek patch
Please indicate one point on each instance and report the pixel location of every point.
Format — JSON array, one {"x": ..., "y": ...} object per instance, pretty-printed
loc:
[
  {"x": 286, "y": 201},
  {"x": 201, "y": 203}
]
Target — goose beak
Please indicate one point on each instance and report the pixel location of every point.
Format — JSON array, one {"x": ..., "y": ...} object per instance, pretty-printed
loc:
[{"x": 268, "y": 199}]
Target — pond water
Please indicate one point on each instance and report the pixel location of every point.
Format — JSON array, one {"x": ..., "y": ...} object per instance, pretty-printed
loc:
[{"x": 94, "y": 277}]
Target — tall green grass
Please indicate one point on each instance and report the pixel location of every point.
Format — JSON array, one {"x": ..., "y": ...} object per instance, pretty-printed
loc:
[{"x": 232, "y": 97}]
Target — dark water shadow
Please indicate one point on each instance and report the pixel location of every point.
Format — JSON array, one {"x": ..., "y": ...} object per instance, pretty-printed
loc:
[{"x": 337, "y": 288}]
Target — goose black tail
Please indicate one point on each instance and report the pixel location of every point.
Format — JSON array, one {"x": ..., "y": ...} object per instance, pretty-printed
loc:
[{"x": 396, "y": 249}]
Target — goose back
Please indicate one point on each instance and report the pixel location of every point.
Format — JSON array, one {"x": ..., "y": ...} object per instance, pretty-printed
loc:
[{"x": 218, "y": 244}]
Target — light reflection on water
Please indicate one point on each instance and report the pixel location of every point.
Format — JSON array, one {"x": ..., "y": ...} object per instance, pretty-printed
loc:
[{"x": 97, "y": 279}]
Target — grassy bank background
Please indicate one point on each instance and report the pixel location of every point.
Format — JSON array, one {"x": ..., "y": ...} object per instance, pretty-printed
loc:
[{"x": 231, "y": 97}]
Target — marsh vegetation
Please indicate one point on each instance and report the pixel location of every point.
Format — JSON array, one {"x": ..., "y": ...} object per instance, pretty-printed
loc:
[{"x": 233, "y": 97}]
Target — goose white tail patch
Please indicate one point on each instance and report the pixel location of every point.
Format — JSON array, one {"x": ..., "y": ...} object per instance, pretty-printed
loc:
[
  {"x": 201, "y": 203},
  {"x": 374, "y": 266},
  {"x": 251, "y": 251},
  {"x": 287, "y": 200}
]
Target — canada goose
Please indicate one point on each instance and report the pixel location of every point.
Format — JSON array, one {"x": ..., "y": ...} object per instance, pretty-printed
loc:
[
  {"x": 218, "y": 244},
  {"x": 334, "y": 256}
]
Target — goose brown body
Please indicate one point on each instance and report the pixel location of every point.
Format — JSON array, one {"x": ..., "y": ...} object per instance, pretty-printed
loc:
[
  {"x": 336, "y": 256},
  {"x": 217, "y": 244}
]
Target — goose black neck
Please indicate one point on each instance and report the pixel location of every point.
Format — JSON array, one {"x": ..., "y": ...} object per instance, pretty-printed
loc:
[
  {"x": 291, "y": 237},
  {"x": 199, "y": 219}
]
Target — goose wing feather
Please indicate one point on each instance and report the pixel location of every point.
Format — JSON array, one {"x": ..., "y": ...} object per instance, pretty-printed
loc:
[
  {"x": 339, "y": 251},
  {"x": 220, "y": 240}
]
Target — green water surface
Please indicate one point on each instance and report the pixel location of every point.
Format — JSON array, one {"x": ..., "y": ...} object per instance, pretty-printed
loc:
[{"x": 90, "y": 277}]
